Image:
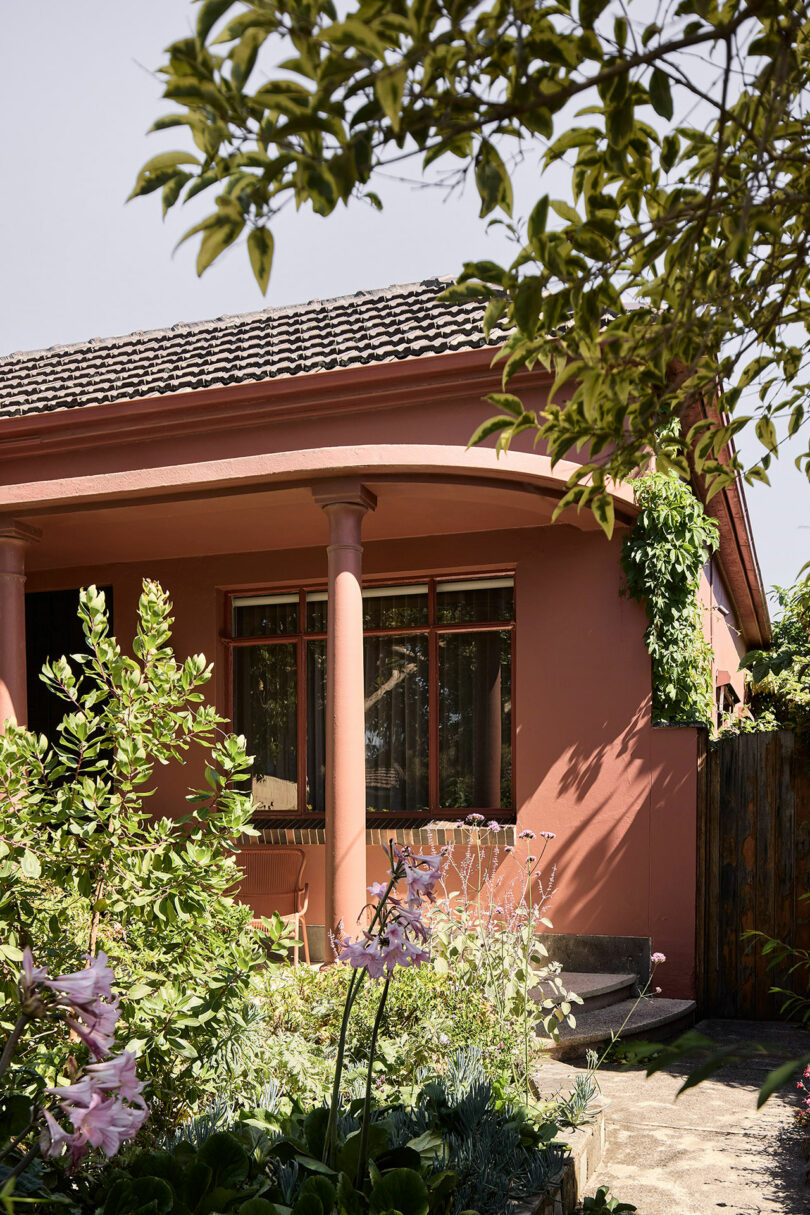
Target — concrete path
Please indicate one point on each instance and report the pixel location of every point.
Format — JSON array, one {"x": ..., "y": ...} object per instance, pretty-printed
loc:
[{"x": 710, "y": 1152}]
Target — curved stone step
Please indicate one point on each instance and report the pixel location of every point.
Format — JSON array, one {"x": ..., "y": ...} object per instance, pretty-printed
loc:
[
  {"x": 595, "y": 990},
  {"x": 653, "y": 1018}
]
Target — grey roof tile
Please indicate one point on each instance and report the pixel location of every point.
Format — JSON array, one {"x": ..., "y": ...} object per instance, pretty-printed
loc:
[{"x": 370, "y": 327}]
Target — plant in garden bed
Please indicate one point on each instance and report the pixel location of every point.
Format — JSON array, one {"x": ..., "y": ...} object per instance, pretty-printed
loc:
[
  {"x": 453, "y": 1150},
  {"x": 486, "y": 930},
  {"x": 85, "y": 866}
]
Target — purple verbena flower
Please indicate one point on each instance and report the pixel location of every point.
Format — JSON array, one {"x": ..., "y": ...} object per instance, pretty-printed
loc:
[
  {"x": 657, "y": 958},
  {"x": 474, "y": 818},
  {"x": 527, "y": 835},
  {"x": 548, "y": 835},
  {"x": 493, "y": 826}
]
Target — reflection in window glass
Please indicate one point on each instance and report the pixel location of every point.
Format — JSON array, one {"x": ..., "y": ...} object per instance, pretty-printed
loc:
[
  {"x": 316, "y": 726},
  {"x": 316, "y": 614},
  {"x": 395, "y": 607},
  {"x": 265, "y": 702},
  {"x": 397, "y": 723},
  {"x": 475, "y": 721},
  {"x": 481, "y": 599},
  {"x": 264, "y": 616}
]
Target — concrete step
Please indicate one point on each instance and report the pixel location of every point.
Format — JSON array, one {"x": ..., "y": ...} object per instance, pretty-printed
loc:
[
  {"x": 655, "y": 1019},
  {"x": 595, "y": 990}
]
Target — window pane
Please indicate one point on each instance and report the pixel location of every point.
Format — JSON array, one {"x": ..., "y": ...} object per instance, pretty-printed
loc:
[
  {"x": 316, "y": 611},
  {"x": 475, "y": 721},
  {"x": 395, "y": 607},
  {"x": 396, "y": 675},
  {"x": 482, "y": 599},
  {"x": 262, "y": 616},
  {"x": 316, "y": 726},
  {"x": 265, "y": 702}
]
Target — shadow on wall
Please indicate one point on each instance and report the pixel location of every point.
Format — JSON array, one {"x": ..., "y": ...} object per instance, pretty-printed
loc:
[{"x": 608, "y": 805}]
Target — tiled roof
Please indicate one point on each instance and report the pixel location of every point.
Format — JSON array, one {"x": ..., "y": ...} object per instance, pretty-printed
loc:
[{"x": 370, "y": 327}]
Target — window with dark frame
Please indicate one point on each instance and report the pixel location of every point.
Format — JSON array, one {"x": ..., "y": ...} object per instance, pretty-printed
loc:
[{"x": 438, "y": 696}]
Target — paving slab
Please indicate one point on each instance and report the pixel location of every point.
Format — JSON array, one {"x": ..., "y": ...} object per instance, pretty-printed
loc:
[{"x": 710, "y": 1152}]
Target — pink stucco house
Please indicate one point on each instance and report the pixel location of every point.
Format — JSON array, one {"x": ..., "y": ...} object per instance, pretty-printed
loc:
[{"x": 396, "y": 625}]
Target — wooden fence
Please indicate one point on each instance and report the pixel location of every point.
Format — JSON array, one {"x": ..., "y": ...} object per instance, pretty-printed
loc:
[{"x": 753, "y": 866}]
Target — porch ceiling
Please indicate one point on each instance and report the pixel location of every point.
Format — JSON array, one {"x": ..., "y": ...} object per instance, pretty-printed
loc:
[{"x": 284, "y": 518}]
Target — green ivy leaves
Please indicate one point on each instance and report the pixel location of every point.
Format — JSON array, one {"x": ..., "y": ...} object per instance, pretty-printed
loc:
[{"x": 663, "y": 557}]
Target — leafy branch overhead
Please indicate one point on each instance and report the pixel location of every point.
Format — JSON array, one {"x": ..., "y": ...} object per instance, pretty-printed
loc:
[{"x": 674, "y": 285}]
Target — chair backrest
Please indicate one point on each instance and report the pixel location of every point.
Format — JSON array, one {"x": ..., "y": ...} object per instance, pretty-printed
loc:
[{"x": 273, "y": 879}]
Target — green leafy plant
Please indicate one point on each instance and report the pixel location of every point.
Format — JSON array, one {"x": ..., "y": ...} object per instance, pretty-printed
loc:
[
  {"x": 602, "y": 1204},
  {"x": 86, "y": 866},
  {"x": 677, "y": 263},
  {"x": 663, "y": 556},
  {"x": 486, "y": 933},
  {"x": 781, "y": 675}
]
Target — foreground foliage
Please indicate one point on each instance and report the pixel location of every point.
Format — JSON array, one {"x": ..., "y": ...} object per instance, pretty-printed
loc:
[
  {"x": 451, "y": 1150},
  {"x": 663, "y": 556},
  {"x": 85, "y": 867},
  {"x": 689, "y": 188}
]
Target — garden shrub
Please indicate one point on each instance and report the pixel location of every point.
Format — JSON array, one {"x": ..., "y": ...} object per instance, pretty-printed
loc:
[
  {"x": 85, "y": 865},
  {"x": 780, "y": 676}
]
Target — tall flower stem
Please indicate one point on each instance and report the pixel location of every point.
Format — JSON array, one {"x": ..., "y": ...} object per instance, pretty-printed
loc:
[
  {"x": 330, "y": 1140},
  {"x": 11, "y": 1044},
  {"x": 363, "y": 1153}
]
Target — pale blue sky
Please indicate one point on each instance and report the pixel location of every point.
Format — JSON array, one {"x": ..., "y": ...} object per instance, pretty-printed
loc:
[{"x": 77, "y": 97}]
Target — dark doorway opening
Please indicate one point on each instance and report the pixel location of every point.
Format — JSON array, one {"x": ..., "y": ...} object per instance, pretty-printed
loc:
[{"x": 52, "y": 629}]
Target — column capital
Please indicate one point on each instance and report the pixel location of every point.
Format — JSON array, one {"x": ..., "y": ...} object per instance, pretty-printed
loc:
[
  {"x": 344, "y": 491},
  {"x": 14, "y": 529}
]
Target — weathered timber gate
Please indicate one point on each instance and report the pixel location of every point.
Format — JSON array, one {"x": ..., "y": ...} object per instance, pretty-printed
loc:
[{"x": 753, "y": 866}]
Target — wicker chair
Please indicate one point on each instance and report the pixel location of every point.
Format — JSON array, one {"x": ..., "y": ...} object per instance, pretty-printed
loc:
[{"x": 273, "y": 882}]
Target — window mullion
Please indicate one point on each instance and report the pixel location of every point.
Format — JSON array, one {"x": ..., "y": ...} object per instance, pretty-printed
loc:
[{"x": 433, "y": 701}]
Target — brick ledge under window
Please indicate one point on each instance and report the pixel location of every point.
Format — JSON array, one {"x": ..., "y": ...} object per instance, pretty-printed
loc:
[{"x": 434, "y": 834}]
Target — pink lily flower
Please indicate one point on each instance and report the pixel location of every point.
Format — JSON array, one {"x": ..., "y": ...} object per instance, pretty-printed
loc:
[
  {"x": 377, "y": 889},
  {"x": 85, "y": 985},
  {"x": 363, "y": 954},
  {"x": 399, "y": 951},
  {"x": 52, "y": 1137},
  {"x": 98, "y": 1030},
  {"x": 117, "y": 1075},
  {"x": 31, "y": 974}
]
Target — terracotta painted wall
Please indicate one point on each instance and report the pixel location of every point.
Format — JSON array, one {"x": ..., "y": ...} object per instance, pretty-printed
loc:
[
  {"x": 619, "y": 795},
  {"x": 721, "y": 627}
]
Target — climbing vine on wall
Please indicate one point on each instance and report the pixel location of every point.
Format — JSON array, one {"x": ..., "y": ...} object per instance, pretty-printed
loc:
[{"x": 662, "y": 557}]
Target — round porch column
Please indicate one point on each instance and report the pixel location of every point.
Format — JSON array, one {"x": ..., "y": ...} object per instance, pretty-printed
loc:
[
  {"x": 14, "y": 537},
  {"x": 345, "y": 504}
]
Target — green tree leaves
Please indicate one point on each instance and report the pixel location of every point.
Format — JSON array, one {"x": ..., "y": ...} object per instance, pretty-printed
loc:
[{"x": 684, "y": 259}]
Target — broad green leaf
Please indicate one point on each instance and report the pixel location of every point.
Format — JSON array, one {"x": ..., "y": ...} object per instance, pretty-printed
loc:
[
  {"x": 490, "y": 427},
  {"x": 660, "y": 94},
  {"x": 566, "y": 211},
  {"x": 260, "y": 251},
  {"x": 209, "y": 13},
  {"x": 389, "y": 85},
  {"x": 492, "y": 179}
]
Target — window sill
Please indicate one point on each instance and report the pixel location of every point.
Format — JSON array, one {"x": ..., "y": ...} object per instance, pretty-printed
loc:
[{"x": 402, "y": 829}]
